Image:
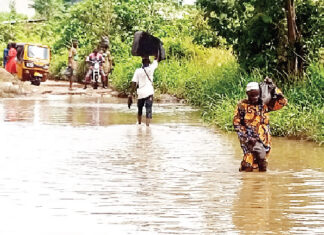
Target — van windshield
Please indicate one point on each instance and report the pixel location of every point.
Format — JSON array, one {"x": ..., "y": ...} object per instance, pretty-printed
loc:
[{"x": 38, "y": 52}]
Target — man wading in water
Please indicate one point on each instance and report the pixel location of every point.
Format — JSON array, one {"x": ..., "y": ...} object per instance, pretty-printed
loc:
[
  {"x": 143, "y": 78},
  {"x": 72, "y": 62},
  {"x": 251, "y": 122}
]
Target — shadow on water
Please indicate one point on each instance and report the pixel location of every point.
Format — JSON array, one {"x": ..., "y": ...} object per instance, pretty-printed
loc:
[{"x": 80, "y": 165}]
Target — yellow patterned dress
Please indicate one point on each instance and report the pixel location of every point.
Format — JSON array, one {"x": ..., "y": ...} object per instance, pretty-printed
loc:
[{"x": 253, "y": 121}]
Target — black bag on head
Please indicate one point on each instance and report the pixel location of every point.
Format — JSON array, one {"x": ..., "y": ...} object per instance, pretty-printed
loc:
[
  {"x": 266, "y": 91},
  {"x": 145, "y": 44}
]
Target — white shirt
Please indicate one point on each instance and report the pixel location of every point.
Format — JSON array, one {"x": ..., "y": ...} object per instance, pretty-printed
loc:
[{"x": 145, "y": 86}]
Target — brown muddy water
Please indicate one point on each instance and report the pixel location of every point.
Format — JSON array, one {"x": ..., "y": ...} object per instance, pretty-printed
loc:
[{"x": 81, "y": 166}]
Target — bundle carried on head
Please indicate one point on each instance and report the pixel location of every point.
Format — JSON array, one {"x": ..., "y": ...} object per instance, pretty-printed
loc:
[
  {"x": 267, "y": 88},
  {"x": 104, "y": 43},
  {"x": 145, "y": 45}
]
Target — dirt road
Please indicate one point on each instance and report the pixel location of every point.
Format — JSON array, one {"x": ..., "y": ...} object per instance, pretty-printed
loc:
[{"x": 62, "y": 88}]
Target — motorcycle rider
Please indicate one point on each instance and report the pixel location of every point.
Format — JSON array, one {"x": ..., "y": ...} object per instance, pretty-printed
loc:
[{"x": 95, "y": 57}]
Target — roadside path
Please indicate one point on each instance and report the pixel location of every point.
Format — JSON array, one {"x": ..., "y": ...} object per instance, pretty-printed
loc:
[{"x": 62, "y": 88}]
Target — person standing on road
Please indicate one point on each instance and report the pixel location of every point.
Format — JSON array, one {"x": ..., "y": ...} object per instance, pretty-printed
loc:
[
  {"x": 108, "y": 64},
  {"x": 143, "y": 80},
  {"x": 11, "y": 64},
  {"x": 72, "y": 61},
  {"x": 5, "y": 55},
  {"x": 251, "y": 122}
]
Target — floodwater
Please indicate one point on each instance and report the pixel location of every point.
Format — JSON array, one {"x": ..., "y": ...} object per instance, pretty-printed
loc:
[{"x": 73, "y": 165}]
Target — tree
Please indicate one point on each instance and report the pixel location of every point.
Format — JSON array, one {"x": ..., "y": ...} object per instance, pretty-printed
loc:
[
  {"x": 265, "y": 36},
  {"x": 12, "y": 7},
  {"x": 48, "y": 8},
  {"x": 295, "y": 60}
]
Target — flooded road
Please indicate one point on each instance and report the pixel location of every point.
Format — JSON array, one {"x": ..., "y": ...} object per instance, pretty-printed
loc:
[{"x": 81, "y": 166}]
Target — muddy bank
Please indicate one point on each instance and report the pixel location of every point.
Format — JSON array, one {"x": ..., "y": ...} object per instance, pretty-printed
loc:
[{"x": 11, "y": 87}]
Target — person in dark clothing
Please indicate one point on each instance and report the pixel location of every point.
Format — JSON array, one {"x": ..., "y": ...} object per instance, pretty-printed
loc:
[{"x": 5, "y": 55}]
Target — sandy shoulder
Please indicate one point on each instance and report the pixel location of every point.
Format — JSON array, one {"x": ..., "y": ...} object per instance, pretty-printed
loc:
[{"x": 12, "y": 87}]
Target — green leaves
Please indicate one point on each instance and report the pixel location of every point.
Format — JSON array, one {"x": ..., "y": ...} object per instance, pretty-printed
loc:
[
  {"x": 266, "y": 19},
  {"x": 257, "y": 29},
  {"x": 48, "y": 8}
]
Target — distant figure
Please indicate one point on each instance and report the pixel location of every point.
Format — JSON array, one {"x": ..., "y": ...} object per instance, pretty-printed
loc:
[
  {"x": 108, "y": 64},
  {"x": 72, "y": 61},
  {"x": 94, "y": 57},
  {"x": 5, "y": 55},
  {"x": 11, "y": 64},
  {"x": 251, "y": 122},
  {"x": 143, "y": 79}
]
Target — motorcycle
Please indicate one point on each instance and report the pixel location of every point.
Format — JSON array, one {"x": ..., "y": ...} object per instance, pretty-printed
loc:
[{"x": 96, "y": 76}]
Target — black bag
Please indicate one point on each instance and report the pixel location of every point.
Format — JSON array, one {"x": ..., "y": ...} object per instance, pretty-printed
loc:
[
  {"x": 266, "y": 91},
  {"x": 145, "y": 44}
]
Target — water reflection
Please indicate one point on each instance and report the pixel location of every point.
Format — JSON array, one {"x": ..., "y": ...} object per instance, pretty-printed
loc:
[
  {"x": 280, "y": 202},
  {"x": 262, "y": 204},
  {"x": 87, "y": 111},
  {"x": 80, "y": 165}
]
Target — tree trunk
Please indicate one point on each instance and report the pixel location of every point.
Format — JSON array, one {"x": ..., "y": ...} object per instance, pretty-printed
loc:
[{"x": 295, "y": 60}]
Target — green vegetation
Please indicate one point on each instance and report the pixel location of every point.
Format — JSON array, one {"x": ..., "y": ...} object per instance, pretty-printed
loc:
[
  {"x": 212, "y": 52},
  {"x": 281, "y": 37}
]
